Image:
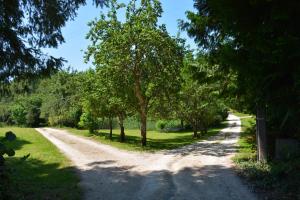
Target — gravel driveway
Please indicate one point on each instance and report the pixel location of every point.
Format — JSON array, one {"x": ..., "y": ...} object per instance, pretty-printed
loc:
[{"x": 199, "y": 171}]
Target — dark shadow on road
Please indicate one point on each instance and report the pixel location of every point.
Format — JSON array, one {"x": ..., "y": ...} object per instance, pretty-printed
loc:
[
  {"x": 106, "y": 162},
  {"x": 192, "y": 183}
]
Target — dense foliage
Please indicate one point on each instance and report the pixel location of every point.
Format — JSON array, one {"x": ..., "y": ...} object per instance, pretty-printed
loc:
[
  {"x": 139, "y": 52},
  {"x": 26, "y": 27},
  {"x": 259, "y": 40},
  {"x": 142, "y": 74}
]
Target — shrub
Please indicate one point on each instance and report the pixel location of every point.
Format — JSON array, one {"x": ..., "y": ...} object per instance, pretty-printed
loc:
[
  {"x": 33, "y": 111},
  {"x": 88, "y": 122},
  {"x": 160, "y": 125},
  {"x": 18, "y": 114},
  {"x": 223, "y": 112},
  {"x": 5, "y": 113},
  {"x": 173, "y": 124}
]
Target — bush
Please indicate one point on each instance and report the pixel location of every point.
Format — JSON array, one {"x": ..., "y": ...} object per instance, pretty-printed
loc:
[
  {"x": 33, "y": 107},
  {"x": 18, "y": 114},
  {"x": 33, "y": 117},
  {"x": 217, "y": 120},
  {"x": 160, "y": 125},
  {"x": 223, "y": 112},
  {"x": 168, "y": 125},
  {"x": 71, "y": 117},
  {"x": 5, "y": 113},
  {"x": 26, "y": 111},
  {"x": 88, "y": 122}
]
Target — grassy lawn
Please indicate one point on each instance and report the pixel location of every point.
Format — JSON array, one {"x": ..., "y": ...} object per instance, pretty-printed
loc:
[
  {"x": 247, "y": 141},
  {"x": 274, "y": 180},
  {"x": 155, "y": 140},
  {"x": 46, "y": 174}
]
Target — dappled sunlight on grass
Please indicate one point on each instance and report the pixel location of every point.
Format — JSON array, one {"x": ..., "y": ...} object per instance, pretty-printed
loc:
[{"x": 155, "y": 140}]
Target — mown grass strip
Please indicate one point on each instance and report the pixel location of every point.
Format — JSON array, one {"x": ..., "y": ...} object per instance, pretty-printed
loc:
[
  {"x": 155, "y": 140},
  {"x": 46, "y": 174}
]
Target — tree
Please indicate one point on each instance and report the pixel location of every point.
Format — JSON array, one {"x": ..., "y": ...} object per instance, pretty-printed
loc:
[
  {"x": 260, "y": 41},
  {"x": 18, "y": 114},
  {"x": 107, "y": 96},
  {"x": 199, "y": 101},
  {"x": 61, "y": 100},
  {"x": 26, "y": 27},
  {"x": 120, "y": 97},
  {"x": 140, "y": 51},
  {"x": 25, "y": 110}
]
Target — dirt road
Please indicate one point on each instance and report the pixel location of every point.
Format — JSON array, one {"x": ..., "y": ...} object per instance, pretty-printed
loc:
[{"x": 199, "y": 171}]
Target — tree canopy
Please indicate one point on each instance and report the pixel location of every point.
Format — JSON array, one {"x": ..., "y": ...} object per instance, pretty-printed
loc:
[
  {"x": 139, "y": 49},
  {"x": 259, "y": 40},
  {"x": 27, "y": 27}
]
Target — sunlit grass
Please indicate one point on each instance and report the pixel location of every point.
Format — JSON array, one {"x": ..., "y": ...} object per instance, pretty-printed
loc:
[
  {"x": 246, "y": 142},
  {"x": 155, "y": 140},
  {"x": 46, "y": 174}
]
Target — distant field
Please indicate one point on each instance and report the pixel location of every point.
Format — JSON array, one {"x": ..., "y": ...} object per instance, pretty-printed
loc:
[
  {"x": 155, "y": 140},
  {"x": 46, "y": 174}
]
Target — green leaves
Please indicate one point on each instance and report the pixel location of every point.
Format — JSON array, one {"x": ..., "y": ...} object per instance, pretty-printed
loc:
[{"x": 137, "y": 62}]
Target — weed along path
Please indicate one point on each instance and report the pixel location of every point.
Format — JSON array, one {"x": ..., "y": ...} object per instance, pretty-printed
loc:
[{"x": 198, "y": 171}]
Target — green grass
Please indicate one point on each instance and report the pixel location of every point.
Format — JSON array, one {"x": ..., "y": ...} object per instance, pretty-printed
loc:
[
  {"x": 247, "y": 143},
  {"x": 273, "y": 180},
  {"x": 242, "y": 115},
  {"x": 155, "y": 140},
  {"x": 46, "y": 174}
]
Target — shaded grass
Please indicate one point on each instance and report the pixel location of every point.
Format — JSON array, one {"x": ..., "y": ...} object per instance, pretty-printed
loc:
[
  {"x": 155, "y": 140},
  {"x": 247, "y": 140},
  {"x": 46, "y": 174},
  {"x": 273, "y": 180}
]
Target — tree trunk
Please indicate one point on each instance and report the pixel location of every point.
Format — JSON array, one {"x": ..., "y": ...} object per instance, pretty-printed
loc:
[
  {"x": 181, "y": 124},
  {"x": 122, "y": 132},
  {"x": 205, "y": 129},
  {"x": 261, "y": 133},
  {"x": 142, "y": 105},
  {"x": 110, "y": 128},
  {"x": 144, "y": 128},
  {"x": 195, "y": 133},
  {"x": 195, "y": 130}
]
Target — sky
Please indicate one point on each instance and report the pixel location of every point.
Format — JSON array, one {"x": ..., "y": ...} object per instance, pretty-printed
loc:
[{"x": 75, "y": 31}]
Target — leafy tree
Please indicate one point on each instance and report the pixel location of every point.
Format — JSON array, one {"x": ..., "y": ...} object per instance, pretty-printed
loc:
[
  {"x": 25, "y": 110},
  {"x": 5, "y": 112},
  {"x": 260, "y": 41},
  {"x": 61, "y": 100},
  {"x": 87, "y": 121},
  {"x": 107, "y": 96},
  {"x": 33, "y": 107},
  {"x": 121, "y": 101},
  {"x": 199, "y": 101},
  {"x": 140, "y": 51},
  {"x": 18, "y": 112}
]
